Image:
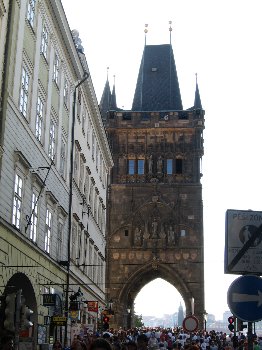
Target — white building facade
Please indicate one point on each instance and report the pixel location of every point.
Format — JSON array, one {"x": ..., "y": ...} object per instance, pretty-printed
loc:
[{"x": 41, "y": 72}]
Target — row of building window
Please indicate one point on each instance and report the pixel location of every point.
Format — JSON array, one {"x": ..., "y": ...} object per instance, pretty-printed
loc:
[
  {"x": 86, "y": 185},
  {"x": 81, "y": 249},
  {"x": 39, "y": 122},
  {"x": 84, "y": 252},
  {"x": 82, "y": 177},
  {"x": 33, "y": 219},
  {"x": 169, "y": 166},
  {"x": 96, "y": 154}
]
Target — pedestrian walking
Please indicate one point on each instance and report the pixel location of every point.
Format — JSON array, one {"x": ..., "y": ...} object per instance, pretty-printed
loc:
[
  {"x": 57, "y": 345},
  {"x": 100, "y": 344}
]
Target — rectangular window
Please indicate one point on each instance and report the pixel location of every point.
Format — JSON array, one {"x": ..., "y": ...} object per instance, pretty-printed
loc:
[
  {"x": 24, "y": 92},
  {"x": 51, "y": 150},
  {"x": 81, "y": 176},
  {"x": 79, "y": 244},
  {"x": 100, "y": 166},
  {"x": 60, "y": 230},
  {"x": 140, "y": 166},
  {"x": 44, "y": 42},
  {"x": 56, "y": 69},
  {"x": 91, "y": 261},
  {"x": 74, "y": 240},
  {"x": 169, "y": 166},
  {"x": 78, "y": 105},
  {"x": 48, "y": 229},
  {"x": 63, "y": 158},
  {"x": 179, "y": 166},
  {"x": 85, "y": 254},
  {"x": 131, "y": 166},
  {"x": 95, "y": 267},
  {"x": 76, "y": 164},
  {"x": 97, "y": 151},
  {"x": 39, "y": 119},
  {"x": 95, "y": 207},
  {"x": 87, "y": 131},
  {"x": 91, "y": 195},
  {"x": 93, "y": 146},
  {"x": 66, "y": 94},
  {"x": 17, "y": 203},
  {"x": 34, "y": 217},
  {"x": 83, "y": 122},
  {"x": 86, "y": 187},
  {"x": 31, "y": 12}
]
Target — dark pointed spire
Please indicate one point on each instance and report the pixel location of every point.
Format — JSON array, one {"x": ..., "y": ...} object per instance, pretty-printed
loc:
[
  {"x": 105, "y": 99},
  {"x": 157, "y": 85},
  {"x": 113, "y": 106},
  {"x": 197, "y": 103}
]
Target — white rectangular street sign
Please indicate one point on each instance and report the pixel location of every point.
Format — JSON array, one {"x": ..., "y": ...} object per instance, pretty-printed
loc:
[{"x": 243, "y": 247}]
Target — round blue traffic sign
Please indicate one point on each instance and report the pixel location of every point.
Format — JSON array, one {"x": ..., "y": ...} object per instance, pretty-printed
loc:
[{"x": 244, "y": 298}]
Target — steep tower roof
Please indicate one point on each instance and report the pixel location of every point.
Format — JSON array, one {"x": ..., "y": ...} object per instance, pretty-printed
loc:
[
  {"x": 157, "y": 85},
  {"x": 113, "y": 105},
  {"x": 197, "y": 103},
  {"x": 105, "y": 100}
]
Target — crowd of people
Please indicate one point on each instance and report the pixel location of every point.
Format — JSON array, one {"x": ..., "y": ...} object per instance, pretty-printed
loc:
[
  {"x": 154, "y": 339},
  {"x": 162, "y": 339}
]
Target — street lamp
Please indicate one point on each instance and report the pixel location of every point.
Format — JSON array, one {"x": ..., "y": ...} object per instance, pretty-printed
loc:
[
  {"x": 71, "y": 170},
  {"x": 129, "y": 309},
  {"x": 110, "y": 306}
]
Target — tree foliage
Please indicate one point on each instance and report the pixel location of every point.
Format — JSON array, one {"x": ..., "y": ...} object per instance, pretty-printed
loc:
[{"x": 138, "y": 320}]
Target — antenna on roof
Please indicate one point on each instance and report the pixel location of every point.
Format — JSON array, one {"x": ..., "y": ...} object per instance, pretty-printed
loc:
[
  {"x": 107, "y": 69},
  {"x": 170, "y": 31},
  {"x": 145, "y": 31},
  {"x": 114, "y": 79}
]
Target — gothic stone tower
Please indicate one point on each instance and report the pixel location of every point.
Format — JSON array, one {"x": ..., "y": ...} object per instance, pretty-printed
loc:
[{"x": 155, "y": 225}]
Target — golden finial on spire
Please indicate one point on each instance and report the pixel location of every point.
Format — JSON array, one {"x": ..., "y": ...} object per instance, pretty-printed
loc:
[
  {"x": 170, "y": 30},
  {"x": 145, "y": 31}
]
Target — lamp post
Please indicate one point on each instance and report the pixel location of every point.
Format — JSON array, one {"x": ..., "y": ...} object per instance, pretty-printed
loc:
[
  {"x": 205, "y": 320},
  {"x": 129, "y": 317},
  {"x": 71, "y": 170},
  {"x": 110, "y": 306}
]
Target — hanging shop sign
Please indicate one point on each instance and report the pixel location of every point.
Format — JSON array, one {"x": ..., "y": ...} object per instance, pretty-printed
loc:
[
  {"x": 49, "y": 299},
  {"x": 92, "y": 306}
]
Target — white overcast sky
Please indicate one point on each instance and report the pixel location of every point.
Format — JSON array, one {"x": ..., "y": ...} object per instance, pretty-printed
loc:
[{"x": 221, "y": 41}]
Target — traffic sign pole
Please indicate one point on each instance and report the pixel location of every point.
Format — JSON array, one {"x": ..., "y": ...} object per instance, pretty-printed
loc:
[{"x": 249, "y": 336}]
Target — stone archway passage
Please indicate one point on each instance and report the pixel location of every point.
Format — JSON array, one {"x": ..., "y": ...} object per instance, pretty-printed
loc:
[
  {"x": 154, "y": 241},
  {"x": 20, "y": 281}
]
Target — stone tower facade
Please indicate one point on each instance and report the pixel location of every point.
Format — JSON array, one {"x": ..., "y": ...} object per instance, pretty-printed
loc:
[{"x": 155, "y": 208}]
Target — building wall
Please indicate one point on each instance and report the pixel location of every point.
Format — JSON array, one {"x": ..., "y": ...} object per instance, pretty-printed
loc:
[{"x": 37, "y": 161}]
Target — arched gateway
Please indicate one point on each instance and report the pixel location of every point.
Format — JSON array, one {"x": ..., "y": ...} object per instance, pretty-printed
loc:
[{"x": 155, "y": 211}]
